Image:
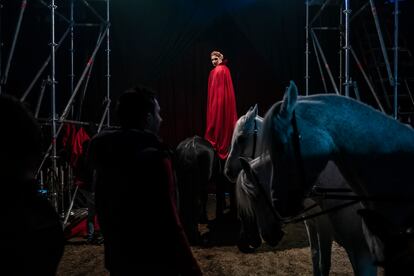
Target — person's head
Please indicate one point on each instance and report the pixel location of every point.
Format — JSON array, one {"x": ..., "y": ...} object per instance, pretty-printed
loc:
[
  {"x": 138, "y": 108},
  {"x": 216, "y": 58},
  {"x": 20, "y": 140}
]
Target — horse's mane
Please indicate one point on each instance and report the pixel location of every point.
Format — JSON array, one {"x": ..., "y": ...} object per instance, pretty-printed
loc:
[
  {"x": 267, "y": 130},
  {"x": 245, "y": 193},
  {"x": 185, "y": 153},
  {"x": 359, "y": 118},
  {"x": 241, "y": 121}
]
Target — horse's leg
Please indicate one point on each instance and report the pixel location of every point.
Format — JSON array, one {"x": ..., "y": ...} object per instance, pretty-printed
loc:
[
  {"x": 320, "y": 239},
  {"x": 353, "y": 240},
  {"x": 233, "y": 203},
  {"x": 220, "y": 190},
  {"x": 204, "y": 181},
  {"x": 361, "y": 260},
  {"x": 230, "y": 187},
  {"x": 220, "y": 196}
]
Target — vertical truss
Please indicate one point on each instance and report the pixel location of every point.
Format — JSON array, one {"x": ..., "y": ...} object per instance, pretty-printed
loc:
[
  {"x": 99, "y": 11},
  {"x": 346, "y": 50}
]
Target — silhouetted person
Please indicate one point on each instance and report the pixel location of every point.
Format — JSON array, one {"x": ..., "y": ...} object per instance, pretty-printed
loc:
[
  {"x": 135, "y": 194},
  {"x": 31, "y": 236}
]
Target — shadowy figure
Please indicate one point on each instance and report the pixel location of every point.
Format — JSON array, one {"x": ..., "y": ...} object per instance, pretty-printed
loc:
[
  {"x": 31, "y": 235},
  {"x": 135, "y": 186}
]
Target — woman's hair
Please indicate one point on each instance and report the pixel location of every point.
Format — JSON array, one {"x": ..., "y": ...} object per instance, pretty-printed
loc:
[{"x": 217, "y": 54}]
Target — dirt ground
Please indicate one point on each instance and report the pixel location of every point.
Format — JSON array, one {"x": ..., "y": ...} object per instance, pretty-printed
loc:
[{"x": 290, "y": 257}]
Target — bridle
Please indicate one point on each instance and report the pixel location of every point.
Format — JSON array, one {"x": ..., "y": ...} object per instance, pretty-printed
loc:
[
  {"x": 255, "y": 130},
  {"x": 296, "y": 137}
]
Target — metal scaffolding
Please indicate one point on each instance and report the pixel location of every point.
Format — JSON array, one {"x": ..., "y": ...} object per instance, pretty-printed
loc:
[
  {"x": 58, "y": 175},
  {"x": 344, "y": 29}
]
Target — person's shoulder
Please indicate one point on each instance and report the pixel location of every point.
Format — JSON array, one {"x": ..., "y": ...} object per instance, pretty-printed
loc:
[
  {"x": 222, "y": 68},
  {"x": 106, "y": 133},
  {"x": 157, "y": 148}
]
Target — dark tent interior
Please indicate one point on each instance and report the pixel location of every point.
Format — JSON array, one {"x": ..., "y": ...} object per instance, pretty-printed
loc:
[
  {"x": 69, "y": 63},
  {"x": 166, "y": 45}
]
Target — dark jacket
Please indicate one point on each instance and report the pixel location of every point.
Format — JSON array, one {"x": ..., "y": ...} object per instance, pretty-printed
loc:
[{"x": 135, "y": 204}]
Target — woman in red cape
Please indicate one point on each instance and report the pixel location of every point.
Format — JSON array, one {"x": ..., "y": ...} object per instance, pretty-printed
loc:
[{"x": 221, "y": 106}]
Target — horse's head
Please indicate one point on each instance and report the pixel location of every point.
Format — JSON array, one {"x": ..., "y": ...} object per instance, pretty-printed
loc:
[
  {"x": 298, "y": 147},
  {"x": 254, "y": 206},
  {"x": 244, "y": 142}
]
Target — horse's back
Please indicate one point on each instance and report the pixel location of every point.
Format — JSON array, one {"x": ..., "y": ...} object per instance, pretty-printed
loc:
[{"x": 196, "y": 152}]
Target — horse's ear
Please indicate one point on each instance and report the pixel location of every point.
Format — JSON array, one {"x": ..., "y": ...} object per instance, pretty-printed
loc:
[
  {"x": 248, "y": 170},
  {"x": 289, "y": 101},
  {"x": 255, "y": 110},
  {"x": 250, "y": 113}
]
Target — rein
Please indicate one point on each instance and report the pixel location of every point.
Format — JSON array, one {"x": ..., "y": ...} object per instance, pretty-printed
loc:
[
  {"x": 254, "y": 139},
  {"x": 332, "y": 193},
  {"x": 329, "y": 193},
  {"x": 300, "y": 217},
  {"x": 296, "y": 137}
]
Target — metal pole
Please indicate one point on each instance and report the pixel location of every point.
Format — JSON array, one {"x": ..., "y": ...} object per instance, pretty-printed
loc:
[
  {"x": 396, "y": 13},
  {"x": 108, "y": 59},
  {"x": 1, "y": 43},
  {"x": 381, "y": 40},
  {"x": 328, "y": 69},
  {"x": 69, "y": 104},
  {"x": 85, "y": 71},
  {"x": 65, "y": 220},
  {"x": 44, "y": 66},
  {"x": 53, "y": 85},
  {"x": 409, "y": 91},
  {"x": 42, "y": 93},
  {"x": 359, "y": 11},
  {"x": 85, "y": 88},
  {"x": 93, "y": 11},
  {"x": 56, "y": 12},
  {"x": 367, "y": 80},
  {"x": 319, "y": 12},
  {"x": 62, "y": 190},
  {"x": 356, "y": 90},
  {"x": 320, "y": 66},
  {"x": 13, "y": 46},
  {"x": 377, "y": 70},
  {"x": 307, "y": 50},
  {"x": 347, "y": 83},
  {"x": 108, "y": 104},
  {"x": 341, "y": 45},
  {"x": 72, "y": 50}
]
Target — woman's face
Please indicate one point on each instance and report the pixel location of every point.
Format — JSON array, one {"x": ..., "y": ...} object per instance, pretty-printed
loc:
[{"x": 216, "y": 60}]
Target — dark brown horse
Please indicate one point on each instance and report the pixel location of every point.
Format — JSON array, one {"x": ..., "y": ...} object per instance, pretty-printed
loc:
[{"x": 196, "y": 166}]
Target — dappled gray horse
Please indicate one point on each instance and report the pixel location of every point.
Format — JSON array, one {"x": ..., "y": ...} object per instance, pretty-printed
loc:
[
  {"x": 374, "y": 152},
  {"x": 343, "y": 226}
]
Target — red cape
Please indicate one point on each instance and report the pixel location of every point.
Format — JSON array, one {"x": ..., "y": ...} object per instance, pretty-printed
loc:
[{"x": 221, "y": 110}]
